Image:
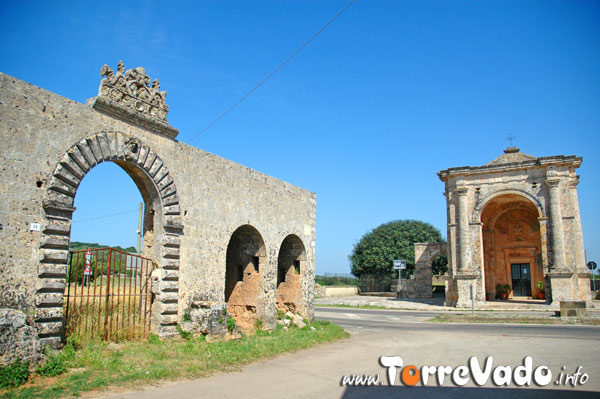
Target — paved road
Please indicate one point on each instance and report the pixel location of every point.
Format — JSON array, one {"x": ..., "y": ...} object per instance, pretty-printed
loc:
[
  {"x": 366, "y": 320},
  {"x": 318, "y": 372}
]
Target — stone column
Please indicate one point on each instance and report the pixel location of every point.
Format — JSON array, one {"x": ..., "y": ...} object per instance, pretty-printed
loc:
[
  {"x": 582, "y": 272},
  {"x": 579, "y": 248},
  {"x": 560, "y": 276},
  {"x": 478, "y": 267},
  {"x": 558, "y": 239},
  {"x": 463, "y": 230},
  {"x": 466, "y": 278}
]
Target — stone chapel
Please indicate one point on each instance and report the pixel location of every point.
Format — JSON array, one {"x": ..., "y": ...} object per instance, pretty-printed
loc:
[{"x": 515, "y": 222}]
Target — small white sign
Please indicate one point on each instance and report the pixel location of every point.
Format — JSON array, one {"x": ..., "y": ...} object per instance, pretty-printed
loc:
[
  {"x": 35, "y": 227},
  {"x": 400, "y": 264}
]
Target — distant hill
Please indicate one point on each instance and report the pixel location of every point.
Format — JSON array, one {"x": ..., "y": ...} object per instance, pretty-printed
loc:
[{"x": 78, "y": 246}]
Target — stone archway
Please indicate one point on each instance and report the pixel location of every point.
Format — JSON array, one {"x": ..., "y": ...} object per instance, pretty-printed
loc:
[
  {"x": 512, "y": 246},
  {"x": 245, "y": 259},
  {"x": 162, "y": 226},
  {"x": 290, "y": 266}
]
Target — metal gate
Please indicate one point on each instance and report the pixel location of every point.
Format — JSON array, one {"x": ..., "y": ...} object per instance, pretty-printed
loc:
[
  {"x": 375, "y": 283},
  {"x": 108, "y": 294}
]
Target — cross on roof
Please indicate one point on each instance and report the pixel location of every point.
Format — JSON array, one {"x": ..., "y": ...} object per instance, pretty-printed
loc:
[{"x": 510, "y": 139}]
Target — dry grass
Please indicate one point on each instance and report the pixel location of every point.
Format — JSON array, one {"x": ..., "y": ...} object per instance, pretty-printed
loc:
[{"x": 116, "y": 312}]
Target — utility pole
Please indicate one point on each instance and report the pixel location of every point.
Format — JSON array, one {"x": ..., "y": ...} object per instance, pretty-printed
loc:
[{"x": 139, "y": 231}]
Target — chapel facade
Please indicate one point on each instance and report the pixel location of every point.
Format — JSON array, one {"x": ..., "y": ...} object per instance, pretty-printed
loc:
[{"x": 514, "y": 225}]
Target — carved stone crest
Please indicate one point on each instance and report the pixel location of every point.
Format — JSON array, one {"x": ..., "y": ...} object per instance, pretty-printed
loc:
[
  {"x": 516, "y": 231},
  {"x": 131, "y": 89}
]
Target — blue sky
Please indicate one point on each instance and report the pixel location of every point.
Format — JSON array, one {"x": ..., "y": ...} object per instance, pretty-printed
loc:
[{"x": 365, "y": 116}]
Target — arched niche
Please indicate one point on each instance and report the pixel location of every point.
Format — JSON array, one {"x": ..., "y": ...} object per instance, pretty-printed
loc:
[
  {"x": 290, "y": 267},
  {"x": 245, "y": 260}
]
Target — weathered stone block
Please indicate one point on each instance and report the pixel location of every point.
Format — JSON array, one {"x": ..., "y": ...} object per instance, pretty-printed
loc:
[
  {"x": 49, "y": 270},
  {"x": 51, "y": 285},
  {"x": 168, "y": 319},
  {"x": 54, "y": 256},
  {"x": 18, "y": 340},
  {"x": 166, "y": 286},
  {"x": 55, "y": 242},
  {"x": 49, "y": 328},
  {"x": 168, "y": 297},
  {"x": 170, "y": 252},
  {"x": 168, "y": 308},
  {"x": 573, "y": 309},
  {"x": 49, "y": 299},
  {"x": 167, "y": 331},
  {"x": 171, "y": 241},
  {"x": 49, "y": 314},
  {"x": 170, "y": 275},
  {"x": 58, "y": 228}
]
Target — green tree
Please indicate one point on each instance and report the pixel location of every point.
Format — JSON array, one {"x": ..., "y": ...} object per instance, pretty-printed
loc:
[
  {"x": 439, "y": 265},
  {"x": 376, "y": 250}
]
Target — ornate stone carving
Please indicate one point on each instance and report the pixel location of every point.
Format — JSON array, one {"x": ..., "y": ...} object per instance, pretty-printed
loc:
[{"x": 130, "y": 89}]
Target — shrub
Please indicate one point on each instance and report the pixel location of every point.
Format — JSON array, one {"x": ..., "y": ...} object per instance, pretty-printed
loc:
[
  {"x": 13, "y": 375},
  {"x": 153, "y": 339},
  {"x": 54, "y": 364},
  {"x": 230, "y": 324},
  {"x": 184, "y": 334}
]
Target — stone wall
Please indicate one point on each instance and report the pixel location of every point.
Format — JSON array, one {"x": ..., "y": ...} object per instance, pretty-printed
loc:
[
  {"x": 194, "y": 203},
  {"x": 420, "y": 286}
]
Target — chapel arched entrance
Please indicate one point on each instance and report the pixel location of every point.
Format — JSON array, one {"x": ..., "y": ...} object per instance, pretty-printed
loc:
[{"x": 511, "y": 247}]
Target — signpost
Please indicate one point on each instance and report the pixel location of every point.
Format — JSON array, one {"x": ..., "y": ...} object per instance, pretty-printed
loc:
[
  {"x": 400, "y": 265},
  {"x": 87, "y": 272},
  {"x": 592, "y": 266},
  {"x": 472, "y": 301}
]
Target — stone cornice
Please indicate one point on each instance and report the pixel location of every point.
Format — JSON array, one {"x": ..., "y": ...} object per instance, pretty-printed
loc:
[
  {"x": 541, "y": 162},
  {"x": 111, "y": 108}
]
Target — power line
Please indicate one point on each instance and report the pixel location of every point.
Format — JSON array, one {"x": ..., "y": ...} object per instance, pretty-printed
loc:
[
  {"x": 105, "y": 216},
  {"x": 272, "y": 73}
]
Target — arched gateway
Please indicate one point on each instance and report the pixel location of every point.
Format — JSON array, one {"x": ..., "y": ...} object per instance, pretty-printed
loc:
[
  {"x": 162, "y": 225},
  {"x": 512, "y": 223},
  {"x": 195, "y": 202}
]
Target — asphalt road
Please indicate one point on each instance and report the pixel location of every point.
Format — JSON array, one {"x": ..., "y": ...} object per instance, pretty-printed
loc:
[
  {"x": 319, "y": 372},
  {"x": 367, "y": 320}
]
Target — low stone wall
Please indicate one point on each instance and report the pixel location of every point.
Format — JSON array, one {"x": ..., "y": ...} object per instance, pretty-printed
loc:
[
  {"x": 406, "y": 289},
  {"x": 320, "y": 291},
  {"x": 573, "y": 309},
  {"x": 341, "y": 291}
]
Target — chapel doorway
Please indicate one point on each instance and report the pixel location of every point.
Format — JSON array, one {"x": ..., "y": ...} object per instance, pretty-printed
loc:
[{"x": 521, "y": 279}]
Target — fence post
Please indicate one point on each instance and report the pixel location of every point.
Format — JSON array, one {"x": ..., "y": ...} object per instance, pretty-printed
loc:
[{"x": 108, "y": 272}]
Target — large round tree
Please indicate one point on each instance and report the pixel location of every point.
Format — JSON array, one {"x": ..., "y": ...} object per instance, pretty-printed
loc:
[{"x": 376, "y": 250}]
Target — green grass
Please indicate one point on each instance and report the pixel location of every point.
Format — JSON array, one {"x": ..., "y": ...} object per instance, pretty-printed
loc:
[{"x": 96, "y": 367}]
